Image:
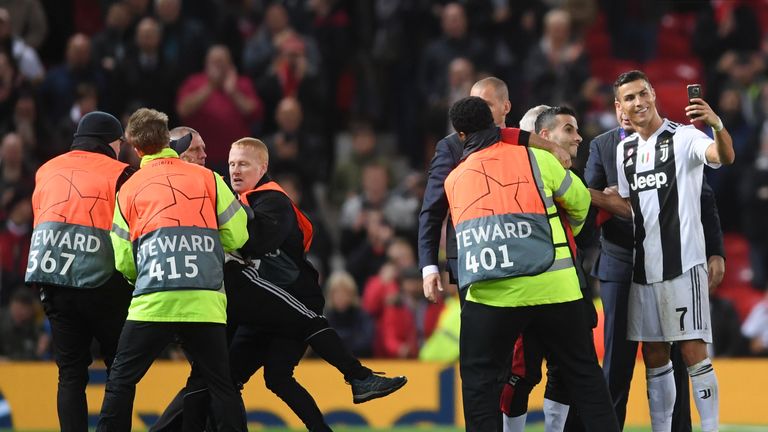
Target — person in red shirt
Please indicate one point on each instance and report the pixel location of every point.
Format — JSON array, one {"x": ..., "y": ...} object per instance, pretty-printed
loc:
[
  {"x": 407, "y": 320},
  {"x": 220, "y": 104}
]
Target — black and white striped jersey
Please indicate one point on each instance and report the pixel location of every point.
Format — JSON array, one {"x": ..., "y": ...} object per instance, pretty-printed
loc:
[{"x": 662, "y": 177}]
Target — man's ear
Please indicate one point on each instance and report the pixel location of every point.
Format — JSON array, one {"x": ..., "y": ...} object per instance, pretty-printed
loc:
[
  {"x": 544, "y": 133},
  {"x": 462, "y": 136}
]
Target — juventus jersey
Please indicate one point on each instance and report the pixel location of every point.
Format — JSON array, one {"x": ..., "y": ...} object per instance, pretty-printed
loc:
[{"x": 662, "y": 177}]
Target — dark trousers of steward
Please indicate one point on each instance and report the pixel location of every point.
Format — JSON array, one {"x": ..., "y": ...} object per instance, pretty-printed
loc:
[{"x": 487, "y": 339}]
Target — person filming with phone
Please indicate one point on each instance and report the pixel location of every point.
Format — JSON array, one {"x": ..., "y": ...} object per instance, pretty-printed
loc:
[{"x": 660, "y": 169}]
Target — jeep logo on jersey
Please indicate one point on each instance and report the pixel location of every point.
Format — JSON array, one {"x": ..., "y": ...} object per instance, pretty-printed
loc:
[{"x": 652, "y": 180}]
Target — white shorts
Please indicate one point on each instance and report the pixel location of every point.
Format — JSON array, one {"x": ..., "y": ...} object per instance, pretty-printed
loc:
[{"x": 672, "y": 310}]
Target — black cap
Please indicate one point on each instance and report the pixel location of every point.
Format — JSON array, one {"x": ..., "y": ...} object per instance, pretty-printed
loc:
[
  {"x": 98, "y": 125},
  {"x": 182, "y": 144}
]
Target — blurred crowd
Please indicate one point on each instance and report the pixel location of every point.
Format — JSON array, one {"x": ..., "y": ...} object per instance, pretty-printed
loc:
[{"x": 351, "y": 97}]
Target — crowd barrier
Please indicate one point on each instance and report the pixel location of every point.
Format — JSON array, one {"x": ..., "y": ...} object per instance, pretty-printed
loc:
[{"x": 432, "y": 395}]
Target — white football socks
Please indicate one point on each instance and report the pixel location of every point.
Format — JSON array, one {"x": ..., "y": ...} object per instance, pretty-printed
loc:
[
  {"x": 514, "y": 424},
  {"x": 705, "y": 394},
  {"x": 661, "y": 396},
  {"x": 555, "y": 415}
]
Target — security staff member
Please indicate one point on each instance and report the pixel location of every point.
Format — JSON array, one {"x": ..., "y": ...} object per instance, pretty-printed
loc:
[
  {"x": 71, "y": 259},
  {"x": 519, "y": 271},
  {"x": 435, "y": 207},
  {"x": 177, "y": 220}
]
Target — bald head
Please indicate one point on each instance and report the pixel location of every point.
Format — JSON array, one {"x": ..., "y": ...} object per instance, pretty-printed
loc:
[
  {"x": 494, "y": 91},
  {"x": 148, "y": 35},
  {"x": 78, "y": 51}
]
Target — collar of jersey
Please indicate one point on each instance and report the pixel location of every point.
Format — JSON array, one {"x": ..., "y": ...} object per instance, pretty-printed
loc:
[{"x": 164, "y": 153}]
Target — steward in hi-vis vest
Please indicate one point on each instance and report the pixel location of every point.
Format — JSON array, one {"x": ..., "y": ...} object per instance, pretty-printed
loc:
[
  {"x": 515, "y": 258},
  {"x": 71, "y": 259},
  {"x": 171, "y": 227},
  {"x": 73, "y": 205},
  {"x": 502, "y": 200}
]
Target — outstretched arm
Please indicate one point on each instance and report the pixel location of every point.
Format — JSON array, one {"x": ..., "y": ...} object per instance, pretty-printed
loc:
[
  {"x": 610, "y": 201},
  {"x": 720, "y": 151}
]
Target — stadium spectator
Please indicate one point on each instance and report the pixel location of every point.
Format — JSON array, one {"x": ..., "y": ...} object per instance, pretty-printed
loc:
[
  {"x": 557, "y": 67},
  {"x": 291, "y": 74},
  {"x": 461, "y": 77},
  {"x": 111, "y": 45},
  {"x": 27, "y": 61},
  {"x": 185, "y": 40},
  {"x": 16, "y": 171},
  {"x": 347, "y": 174},
  {"x": 22, "y": 336},
  {"x": 455, "y": 41},
  {"x": 727, "y": 339},
  {"x": 15, "y": 236},
  {"x": 407, "y": 318},
  {"x": 220, "y": 104},
  {"x": 385, "y": 284},
  {"x": 754, "y": 202},
  {"x": 37, "y": 135},
  {"x": 296, "y": 150},
  {"x": 353, "y": 324},
  {"x": 28, "y": 21},
  {"x": 9, "y": 84},
  {"x": 145, "y": 77},
  {"x": 263, "y": 46},
  {"x": 755, "y": 328},
  {"x": 60, "y": 88},
  {"x": 443, "y": 344}
]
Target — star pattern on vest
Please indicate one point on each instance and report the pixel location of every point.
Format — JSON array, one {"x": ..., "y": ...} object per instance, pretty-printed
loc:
[
  {"x": 171, "y": 201},
  {"x": 81, "y": 185},
  {"x": 489, "y": 188}
]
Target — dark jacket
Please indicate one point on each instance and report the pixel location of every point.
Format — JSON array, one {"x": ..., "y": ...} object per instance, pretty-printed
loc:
[
  {"x": 274, "y": 230},
  {"x": 617, "y": 233},
  {"x": 434, "y": 208}
]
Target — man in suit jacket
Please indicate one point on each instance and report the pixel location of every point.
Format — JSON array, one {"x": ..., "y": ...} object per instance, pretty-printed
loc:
[
  {"x": 614, "y": 270},
  {"x": 435, "y": 205}
]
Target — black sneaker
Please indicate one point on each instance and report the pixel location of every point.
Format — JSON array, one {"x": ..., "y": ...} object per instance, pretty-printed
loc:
[{"x": 375, "y": 386}]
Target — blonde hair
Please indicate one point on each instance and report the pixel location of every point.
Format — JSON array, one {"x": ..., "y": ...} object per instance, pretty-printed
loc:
[
  {"x": 255, "y": 144},
  {"x": 341, "y": 280},
  {"x": 148, "y": 130}
]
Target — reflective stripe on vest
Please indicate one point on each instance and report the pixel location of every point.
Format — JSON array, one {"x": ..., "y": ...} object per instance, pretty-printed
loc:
[
  {"x": 170, "y": 208},
  {"x": 73, "y": 205},
  {"x": 496, "y": 202},
  {"x": 305, "y": 225}
]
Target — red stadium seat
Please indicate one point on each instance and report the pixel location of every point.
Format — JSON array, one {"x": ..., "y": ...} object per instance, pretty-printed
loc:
[
  {"x": 673, "y": 45},
  {"x": 736, "y": 286},
  {"x": 598, "y": 45},
  {"x": 608, "y": 69},
  {"x": 673, "y": 70}
]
